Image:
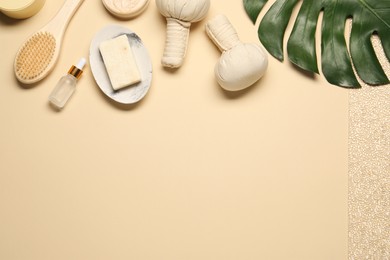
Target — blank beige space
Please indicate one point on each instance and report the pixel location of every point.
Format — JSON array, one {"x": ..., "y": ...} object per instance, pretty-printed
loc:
[{"x": 192, "y": 172}]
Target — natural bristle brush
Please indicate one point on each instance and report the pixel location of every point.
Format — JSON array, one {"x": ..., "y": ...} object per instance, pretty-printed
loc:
[{"x": 38, "y": 55}]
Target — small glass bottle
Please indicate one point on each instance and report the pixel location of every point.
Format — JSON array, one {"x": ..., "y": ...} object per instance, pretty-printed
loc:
[{"x": 67, "y": 85}]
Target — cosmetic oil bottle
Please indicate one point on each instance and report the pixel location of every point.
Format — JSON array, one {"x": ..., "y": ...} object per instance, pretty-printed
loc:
[{"x": 66, "y": 86}]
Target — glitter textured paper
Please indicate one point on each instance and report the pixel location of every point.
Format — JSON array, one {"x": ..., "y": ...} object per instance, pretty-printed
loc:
[{"x": 369, "y": 169}]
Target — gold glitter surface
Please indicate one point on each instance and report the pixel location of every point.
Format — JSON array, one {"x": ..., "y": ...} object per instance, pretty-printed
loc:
[{"x": 369, "y": 169}]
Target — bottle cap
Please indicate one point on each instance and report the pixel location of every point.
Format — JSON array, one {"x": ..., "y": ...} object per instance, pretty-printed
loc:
[
  {"x": 77, "y": 70},
  {"x": 81, "y": 63}
]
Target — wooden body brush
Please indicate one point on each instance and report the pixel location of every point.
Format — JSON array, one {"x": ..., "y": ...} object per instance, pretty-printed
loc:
[{"x": 38, "y": 55}]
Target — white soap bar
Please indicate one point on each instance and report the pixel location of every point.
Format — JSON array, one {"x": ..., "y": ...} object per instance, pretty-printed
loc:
[{"x": 120, "y": 63}]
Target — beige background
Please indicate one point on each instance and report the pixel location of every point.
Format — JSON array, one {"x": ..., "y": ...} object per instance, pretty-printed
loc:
[{"x": 191, "y": 172}]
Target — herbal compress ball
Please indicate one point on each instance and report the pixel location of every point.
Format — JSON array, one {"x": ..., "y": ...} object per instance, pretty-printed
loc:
[
  {"x": 179, "y": 14},
  {"x": 241, "y": 64}
]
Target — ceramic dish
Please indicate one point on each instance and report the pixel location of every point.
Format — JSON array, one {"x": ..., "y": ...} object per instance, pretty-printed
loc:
[
  {"x": 131, "y": 94},
  {"x": 21, "y": 9}
]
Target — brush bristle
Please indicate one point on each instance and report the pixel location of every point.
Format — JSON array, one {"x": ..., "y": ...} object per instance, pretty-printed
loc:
[{"x": 35, "y": 56}]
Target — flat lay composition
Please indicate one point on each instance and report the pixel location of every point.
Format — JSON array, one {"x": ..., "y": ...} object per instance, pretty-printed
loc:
[{"x": 164, "y": 130}]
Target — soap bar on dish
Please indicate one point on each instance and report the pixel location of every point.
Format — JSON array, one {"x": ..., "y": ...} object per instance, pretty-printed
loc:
[{"x": 120, "y": 63}]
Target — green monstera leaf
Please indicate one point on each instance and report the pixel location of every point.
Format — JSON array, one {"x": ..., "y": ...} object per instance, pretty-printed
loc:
[{"x": 369, "y": 17}]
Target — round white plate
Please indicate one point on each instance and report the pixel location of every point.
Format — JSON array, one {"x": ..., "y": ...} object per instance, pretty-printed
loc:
[{"x": 133, "y": 93}]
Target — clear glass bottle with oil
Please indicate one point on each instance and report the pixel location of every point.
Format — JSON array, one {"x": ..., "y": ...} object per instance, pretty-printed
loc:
[{"x": 66, "y": 86}]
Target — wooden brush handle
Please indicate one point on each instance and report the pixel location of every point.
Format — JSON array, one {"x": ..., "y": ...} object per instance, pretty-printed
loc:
[{"x": 59, "y": 23}]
